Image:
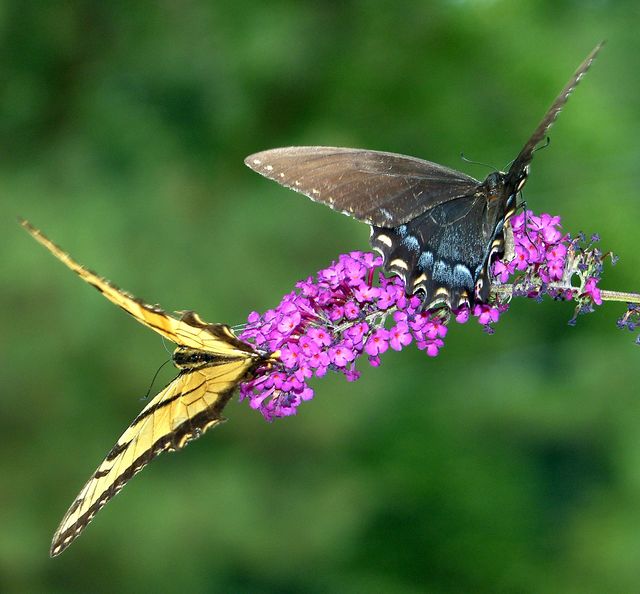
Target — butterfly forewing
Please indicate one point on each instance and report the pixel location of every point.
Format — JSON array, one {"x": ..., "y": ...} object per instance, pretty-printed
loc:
[
  {"x": 382, "y": 189},
  {"x": 189, "y": 330},
  {"x": 517, "y": 169},
  {"x": 184, "y": 410}
]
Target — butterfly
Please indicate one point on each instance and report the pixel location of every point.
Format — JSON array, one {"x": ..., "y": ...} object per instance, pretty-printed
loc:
[
  {"x": 435, "y": 227},
  {"x": 211, "y": 361}
]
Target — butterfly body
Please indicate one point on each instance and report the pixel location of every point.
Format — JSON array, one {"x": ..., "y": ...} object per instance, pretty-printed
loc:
[
  {"x": 437, "y": 228},
  {"x": 187, "y": 358}
]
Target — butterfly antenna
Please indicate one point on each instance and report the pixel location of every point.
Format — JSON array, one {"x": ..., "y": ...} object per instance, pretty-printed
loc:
[
  {"x": 164, "y": 344},
  {"x": 155, "y": 375},
  {"x": 466, "y": 160}
]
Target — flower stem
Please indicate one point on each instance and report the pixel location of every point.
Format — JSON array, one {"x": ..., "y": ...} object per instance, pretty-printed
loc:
[
  {"x": 620, "y": 296},
  {"x": 506, "y": 290}
]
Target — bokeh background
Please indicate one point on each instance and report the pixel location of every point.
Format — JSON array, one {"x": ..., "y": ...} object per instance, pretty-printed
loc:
[{"x": 511, "y": 463}]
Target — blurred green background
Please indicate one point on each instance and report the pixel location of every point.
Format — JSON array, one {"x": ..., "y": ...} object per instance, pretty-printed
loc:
[{"x": 511, "y": 463}]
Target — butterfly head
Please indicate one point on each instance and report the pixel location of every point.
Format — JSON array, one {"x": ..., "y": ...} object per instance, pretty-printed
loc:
[
  {"x": 500, "y": 185},
  {"x": 493, "y": 186}
]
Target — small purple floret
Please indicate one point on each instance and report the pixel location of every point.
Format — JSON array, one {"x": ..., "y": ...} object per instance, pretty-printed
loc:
[{"x": 592, "y": 291}]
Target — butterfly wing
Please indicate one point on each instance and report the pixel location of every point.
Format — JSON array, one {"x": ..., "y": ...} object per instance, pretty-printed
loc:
[
  {"x": 517, "y": 172},
  {"x": 444, "y": 252},
  {"x": 381, "y": 189},
  {"x": 188, "y": 331},
  {"x": 184, "y": 410}
]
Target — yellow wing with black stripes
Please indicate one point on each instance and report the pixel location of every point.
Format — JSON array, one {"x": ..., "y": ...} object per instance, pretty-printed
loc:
[
  {"x": 184, "y": 410},
  {"x": 212, "y": 362},
  {"x": 189, "y": 330}
]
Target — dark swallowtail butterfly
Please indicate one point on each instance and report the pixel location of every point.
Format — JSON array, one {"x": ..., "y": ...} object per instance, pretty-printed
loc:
[{"x": 436, "y": 228}]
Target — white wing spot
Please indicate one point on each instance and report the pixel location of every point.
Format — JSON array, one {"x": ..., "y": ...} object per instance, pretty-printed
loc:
[
  {"x": 420, "y": 279},
  {"x": 384, "y": 239},
  {"x": 399, "y": 263},
  {"x": 282, "y": 175},
  {"x": 314, "y": 191},
  {"x": 257, "y": 162},
  {"x": 269, "y": 167}
]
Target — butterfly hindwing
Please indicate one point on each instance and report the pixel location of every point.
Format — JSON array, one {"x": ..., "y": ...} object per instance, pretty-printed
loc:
[{"x": 443, "y": 253}]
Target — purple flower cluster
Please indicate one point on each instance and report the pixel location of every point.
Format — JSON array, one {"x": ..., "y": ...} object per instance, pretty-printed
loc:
[
  {"x": 329, "y": 321},
  {"x": 546, "y": 260},
  {"x": 540, "y": 248}
]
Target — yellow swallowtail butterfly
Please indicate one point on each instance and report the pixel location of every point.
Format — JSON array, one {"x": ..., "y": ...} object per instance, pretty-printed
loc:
[{"x": 211, "y": 360}]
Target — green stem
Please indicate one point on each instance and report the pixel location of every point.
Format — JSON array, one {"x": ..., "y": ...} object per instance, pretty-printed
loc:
[{"x": 620, "y": 296}]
